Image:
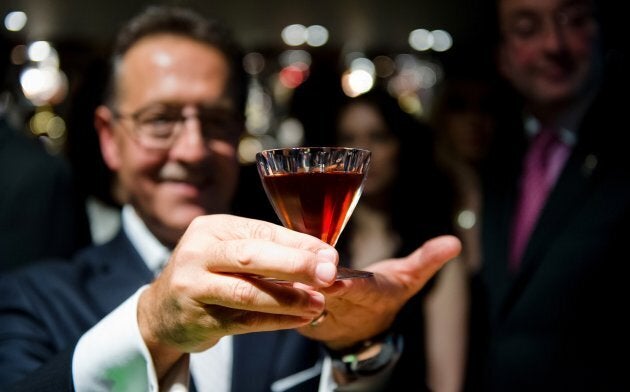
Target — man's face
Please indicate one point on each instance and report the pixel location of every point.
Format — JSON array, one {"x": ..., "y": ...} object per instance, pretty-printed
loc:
[
  {"x": 547, "y": 51},
  {"x": 194, "y": 174}
]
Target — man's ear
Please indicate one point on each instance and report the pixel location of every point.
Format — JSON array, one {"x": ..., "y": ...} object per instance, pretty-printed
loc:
[{"x": 103, "y": 122}]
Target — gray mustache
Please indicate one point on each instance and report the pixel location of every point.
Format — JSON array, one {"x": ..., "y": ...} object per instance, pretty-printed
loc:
[{"x": 181, "y": 173}]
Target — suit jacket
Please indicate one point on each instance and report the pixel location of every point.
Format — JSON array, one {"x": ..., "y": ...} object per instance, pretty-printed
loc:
[
  {"x": 41, "y": 215},
  {"x": 559, "y": 323},
  {"x": 45, "y": 308}
]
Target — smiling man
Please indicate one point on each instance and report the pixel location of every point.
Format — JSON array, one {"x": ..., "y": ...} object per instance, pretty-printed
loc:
[{"x": 172, "y": 298}]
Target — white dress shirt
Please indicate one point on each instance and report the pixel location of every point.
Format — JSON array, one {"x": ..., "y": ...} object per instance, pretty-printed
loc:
[{"x": 112, "y": 356}]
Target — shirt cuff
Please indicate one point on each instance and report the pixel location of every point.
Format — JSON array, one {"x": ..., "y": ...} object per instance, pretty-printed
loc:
[
  {"x": 326, "y": 381},
  {"x": 112, "y": 356}
]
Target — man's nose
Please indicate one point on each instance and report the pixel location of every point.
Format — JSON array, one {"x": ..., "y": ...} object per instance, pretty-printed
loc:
[
  {"x": 554, "y": 35},
  {"x": 191, "y": 144}
]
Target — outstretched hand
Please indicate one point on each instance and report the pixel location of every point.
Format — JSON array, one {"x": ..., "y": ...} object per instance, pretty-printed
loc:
[{"x": 359, "y": 309}]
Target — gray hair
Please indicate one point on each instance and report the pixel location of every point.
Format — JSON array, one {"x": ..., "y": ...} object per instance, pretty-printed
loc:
[{"x": 185, "y": 22}]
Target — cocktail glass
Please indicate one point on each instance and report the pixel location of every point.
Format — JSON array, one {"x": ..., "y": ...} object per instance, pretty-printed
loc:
[{"x": 314, "y": 190}]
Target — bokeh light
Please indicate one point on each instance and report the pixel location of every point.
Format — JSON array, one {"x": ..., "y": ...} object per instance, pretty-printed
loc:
[
  {"x": 39, "y": 50},
  {"x": 293, "y": 75},
  {"x": 15, "y": 21},
  {"x": 384, "y": 66},
  {"x": 316, "y": 35},
  {"x": 253, "y": 63},
  {"x": 294, "y": 35},
  {"x": 421, "y": 39},
  {"x": 442, "y": 40},
  {"x": 356, "y": 82},
  {"x": 247, "y": 149},
  {"x": 18, "y": 55},
  {"x": 290, "y": 132}
]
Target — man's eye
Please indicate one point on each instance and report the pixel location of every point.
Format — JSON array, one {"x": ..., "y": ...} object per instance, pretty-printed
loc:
[
  {"x": 158, "y": 119},
  {"x": 525, "y": 28}
]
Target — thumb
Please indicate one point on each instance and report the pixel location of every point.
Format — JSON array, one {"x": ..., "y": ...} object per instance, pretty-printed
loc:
[{"x": 425, "y": 261}]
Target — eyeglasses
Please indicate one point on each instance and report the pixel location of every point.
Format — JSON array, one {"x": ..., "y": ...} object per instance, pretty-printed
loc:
[
  {"x": 529, "y": 25},
  {"x": 158, "y": 126}
]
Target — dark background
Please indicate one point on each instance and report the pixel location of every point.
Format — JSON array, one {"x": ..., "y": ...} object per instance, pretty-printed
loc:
[{"x": 365, "y": 24}]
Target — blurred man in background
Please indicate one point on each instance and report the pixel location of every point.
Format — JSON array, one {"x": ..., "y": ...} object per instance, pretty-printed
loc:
[{"x": 557, "y": 208}]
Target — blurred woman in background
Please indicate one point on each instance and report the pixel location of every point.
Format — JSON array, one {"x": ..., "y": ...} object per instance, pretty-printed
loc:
[
  {"x": 463, "y": 121},
  {"x": 393, "y": 217}
]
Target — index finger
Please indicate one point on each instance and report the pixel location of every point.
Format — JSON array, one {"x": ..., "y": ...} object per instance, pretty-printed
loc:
[
  {"x": 255, "y": 247},
  {"x": 224, "y": 227}
]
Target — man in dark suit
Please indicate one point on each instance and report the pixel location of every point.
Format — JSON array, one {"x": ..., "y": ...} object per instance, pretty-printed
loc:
[
  {"x": 40, "y": 211},
  {"x": 176, "y": 293},
  {"x": 555, "y": 298}
]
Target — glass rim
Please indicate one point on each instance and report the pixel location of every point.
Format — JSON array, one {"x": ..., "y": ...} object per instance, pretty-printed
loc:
[{"x": 315, "y": 148}]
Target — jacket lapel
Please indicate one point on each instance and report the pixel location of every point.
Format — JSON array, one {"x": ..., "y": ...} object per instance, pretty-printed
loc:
[
  {"x": 570, "y": 192},
  {"x": 118, "y": 265},
  {"x": 566, "y": 197}
]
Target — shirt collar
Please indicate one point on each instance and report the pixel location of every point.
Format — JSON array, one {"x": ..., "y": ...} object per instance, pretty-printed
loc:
[
  {"x": 566, "y": 134},
  {"x": 566, "y": 124},
  {"x": 154, "y": 254}
]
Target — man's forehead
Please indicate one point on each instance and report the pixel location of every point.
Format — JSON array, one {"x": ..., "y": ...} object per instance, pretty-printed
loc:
[
  {"x": 174, "y": 68},
  {"x": 164, "y": 50}
]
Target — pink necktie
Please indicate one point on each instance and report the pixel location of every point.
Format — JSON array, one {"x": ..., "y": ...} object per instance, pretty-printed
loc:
[{"x": 542, "y": 164}]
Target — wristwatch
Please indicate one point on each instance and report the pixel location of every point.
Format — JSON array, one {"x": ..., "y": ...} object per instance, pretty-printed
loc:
[{"x": 367, "y": 357}]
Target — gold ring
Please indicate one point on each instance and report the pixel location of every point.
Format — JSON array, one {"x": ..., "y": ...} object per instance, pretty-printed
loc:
[{"x": 319, "y": 319}]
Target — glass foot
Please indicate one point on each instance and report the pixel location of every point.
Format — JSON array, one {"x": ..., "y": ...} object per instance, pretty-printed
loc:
[
  {"x": 342, "y": 274},
  {"x": 349, "y": 273}
]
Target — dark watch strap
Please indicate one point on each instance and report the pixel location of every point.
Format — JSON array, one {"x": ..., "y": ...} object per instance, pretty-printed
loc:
[{"x": 368, "y": 357}]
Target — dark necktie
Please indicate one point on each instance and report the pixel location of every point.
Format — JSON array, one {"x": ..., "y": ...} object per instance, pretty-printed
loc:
[{"x": 542, "y": 164}]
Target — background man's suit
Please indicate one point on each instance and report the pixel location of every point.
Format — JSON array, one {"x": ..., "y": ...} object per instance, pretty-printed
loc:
[{"x": 561, "y": 320}]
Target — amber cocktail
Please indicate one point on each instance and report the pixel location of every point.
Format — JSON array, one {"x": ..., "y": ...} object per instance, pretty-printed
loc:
[{"x": 315, "y": 189}]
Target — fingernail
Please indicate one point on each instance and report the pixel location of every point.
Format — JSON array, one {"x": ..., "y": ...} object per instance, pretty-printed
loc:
[
  {"x": 318, "y": 300},
  {"x": 326, "y": 270}
]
